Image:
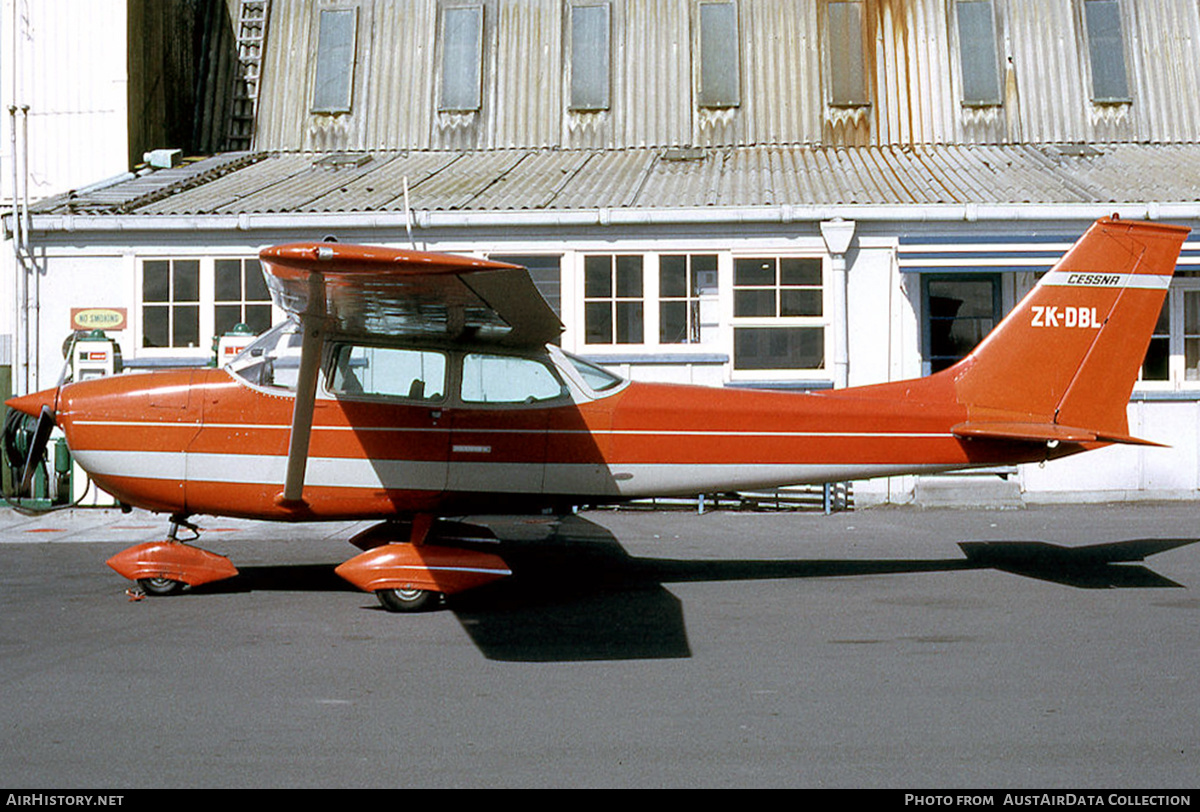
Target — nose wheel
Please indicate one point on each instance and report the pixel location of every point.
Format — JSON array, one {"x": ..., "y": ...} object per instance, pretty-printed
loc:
[
  {"x": 407, "y": 600},
  {"x": 161, "y": 587}
]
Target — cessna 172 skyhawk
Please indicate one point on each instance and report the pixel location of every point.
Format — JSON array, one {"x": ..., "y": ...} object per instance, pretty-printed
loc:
[{"x": 409, "y": 386}]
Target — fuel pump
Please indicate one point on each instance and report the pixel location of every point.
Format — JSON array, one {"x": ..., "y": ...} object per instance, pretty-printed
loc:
[
  {"x": 91, "y": 354},
  {"x": 227, "y": 347}
]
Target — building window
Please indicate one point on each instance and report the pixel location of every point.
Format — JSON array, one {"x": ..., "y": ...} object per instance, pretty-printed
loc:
[
  {"x": 613, "y": 299},
  {"x": 720, "y": 65},
  {"x": 590, "y": 54},
  {"x": 959, "y": 311},
  {"x": 1106, "y": 51},
  {"x": 845, "y": 52},
  {"x": 977, "y": 53},
  {"x": 682, "y": 280},
  {"x": 1173, "y": 357},
  {"x": 334, "y": 79},
  {"x": 171, "y": 303},
  {"x": 241, "y": 296},
  {"x": 778, "y": 309},
  {"x": 462, "y": 57}
]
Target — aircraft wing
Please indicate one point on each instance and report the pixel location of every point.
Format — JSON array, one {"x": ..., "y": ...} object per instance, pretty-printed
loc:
[
  {"x": 356, "y": 290},
  {"x": 371, "y": 290}
]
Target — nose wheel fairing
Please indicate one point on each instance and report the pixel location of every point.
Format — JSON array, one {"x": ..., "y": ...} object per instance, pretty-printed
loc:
[{"x": 163, "y": 561}]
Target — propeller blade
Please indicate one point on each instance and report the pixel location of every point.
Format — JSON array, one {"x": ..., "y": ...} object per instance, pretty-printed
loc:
[{"x": 37, "y": 447}]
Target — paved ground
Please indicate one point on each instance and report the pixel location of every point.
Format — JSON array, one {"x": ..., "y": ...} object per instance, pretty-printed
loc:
[{"x": 630, "y": 649}]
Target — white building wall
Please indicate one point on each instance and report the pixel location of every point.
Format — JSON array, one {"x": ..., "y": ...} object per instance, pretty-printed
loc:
[{"x": 63, "y": 90}]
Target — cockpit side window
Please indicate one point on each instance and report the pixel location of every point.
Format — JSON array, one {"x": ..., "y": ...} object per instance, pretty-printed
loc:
[
  {"x": 412, "y": 374},
  {"x": 598, "y": 378},
  {"x": 507, "y": 379}
]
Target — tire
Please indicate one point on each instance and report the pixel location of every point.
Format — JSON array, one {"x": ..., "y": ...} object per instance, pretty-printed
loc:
[
  {"x": 407, "y": 600},
  {"x": 160, "y": 587}
]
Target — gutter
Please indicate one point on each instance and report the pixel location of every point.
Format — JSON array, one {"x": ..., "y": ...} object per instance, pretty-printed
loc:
[{"x": 605, "y": 217}]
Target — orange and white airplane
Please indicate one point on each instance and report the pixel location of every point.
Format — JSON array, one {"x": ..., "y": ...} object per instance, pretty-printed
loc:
[{"x": 410, "y": 386}]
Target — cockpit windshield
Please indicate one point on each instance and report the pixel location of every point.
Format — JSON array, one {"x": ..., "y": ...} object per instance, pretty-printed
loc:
[{"x": 273, "y": 360}]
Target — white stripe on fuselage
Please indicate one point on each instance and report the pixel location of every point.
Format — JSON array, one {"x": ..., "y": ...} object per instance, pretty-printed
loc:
[{"x": 622, "y": 480}]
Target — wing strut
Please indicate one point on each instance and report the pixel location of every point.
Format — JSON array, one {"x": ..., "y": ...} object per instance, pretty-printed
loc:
[{"x": 312, "y": 324}]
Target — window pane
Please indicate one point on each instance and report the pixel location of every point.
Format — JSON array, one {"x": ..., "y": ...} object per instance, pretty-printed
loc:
[
  {"x": 1106, "y": 50},
  {"x": 156, "y": 330},
  {"x": 704, "y": 273},
  {"x": 672, "y": 277},
  {"x": 589, "y": 57},
  {"x": 597, "y": 277},
  {"x": 256, "y": 283},
  {"x": 754, "y": 303},
  {"x": 1157, "y": 366},
  {"x": 806, "y": 302},
  {"x": 799, "y": 271},
  {"x": 779, "y": 348},
  {"x": 960, "y": 313},
  {"x": 754, "y": 272},
  {"x": 847, "y": 74},
  {"x": 462, "y": 39},
  {"x": 597, "y": 323},
  {"x": 257, "y": 318},
  {"x": 226, "y": 317},
  {"x": 228, "y": 283},
  {"x": 185, "y": 330},
  {"x": 977, "y": 52},
  {"x": 185, "y": 282},
  {"x": 673, "y": 322},
  {"x": 629, "y": 277},
  {"x": 629, "y": 323},
  {"x": 156, "y": 281},
  {"x": 720, "y": 73},
  {"x": 335, "y": 61}
]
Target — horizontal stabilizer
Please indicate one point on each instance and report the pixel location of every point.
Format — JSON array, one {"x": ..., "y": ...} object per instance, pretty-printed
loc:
[{"x": 1043, "y": 433}]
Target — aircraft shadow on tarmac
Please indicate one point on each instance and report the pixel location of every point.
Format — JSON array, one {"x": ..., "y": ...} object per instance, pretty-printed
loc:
[{"x": 577, "y": 594}]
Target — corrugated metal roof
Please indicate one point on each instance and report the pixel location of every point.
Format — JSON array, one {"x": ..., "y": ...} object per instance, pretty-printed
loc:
[{"x": 533, "y": 180}]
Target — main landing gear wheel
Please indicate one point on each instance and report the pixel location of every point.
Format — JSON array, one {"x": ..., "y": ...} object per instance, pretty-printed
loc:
[
  {"x": 161, "y": 586},
  {"x": 407, "y": 600}
]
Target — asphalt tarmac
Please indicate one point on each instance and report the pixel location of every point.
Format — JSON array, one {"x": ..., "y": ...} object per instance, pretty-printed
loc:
[{"x": 869, "y": 648}]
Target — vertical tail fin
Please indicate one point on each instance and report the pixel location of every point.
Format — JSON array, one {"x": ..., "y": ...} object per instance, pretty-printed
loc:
[{"x": 1066, "y": 358}]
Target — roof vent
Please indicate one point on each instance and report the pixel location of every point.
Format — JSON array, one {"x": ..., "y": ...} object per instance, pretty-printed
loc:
[
  {"x": 338, "y": 160},
  {"x": 683, "y": 154}
]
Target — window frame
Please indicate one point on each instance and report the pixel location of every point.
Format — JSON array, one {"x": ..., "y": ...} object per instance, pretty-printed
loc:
[
  {"x": 692, "y": 295},
  {"x": 824, "y": 322},
  {"x": 587, "y": 59},
  {"x": 994, "y": 97},
  {"x": 1094, "y": 46},
  {"x": 170, "y": 304},
  {"x": 323, "y": 54},
  {"x": 837, "y": 92},
  {"x": 614, "y": 298},
  {"x": 472, "y": 101},
  {"x": 996, "y": 278},
  {"x": 206, "y": 302},
  {"x": 718, "y": 49}
]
